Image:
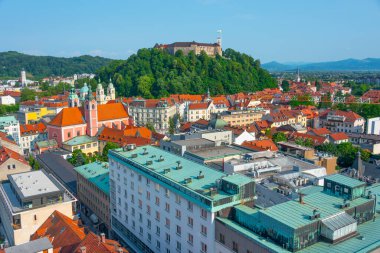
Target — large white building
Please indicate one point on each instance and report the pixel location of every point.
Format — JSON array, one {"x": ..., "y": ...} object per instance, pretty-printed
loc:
[
  {"x": 373, "y": 126},
  {"x": 161, "y": 202},
  {"x": 27, "y": 199},
  {"x": 7, "y": 100},
  {"x": 340, "y": 121}
]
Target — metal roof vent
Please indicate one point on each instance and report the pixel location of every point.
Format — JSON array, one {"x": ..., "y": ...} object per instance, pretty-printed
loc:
[
  {"x": 134, "y": 155},
  {"x": 179, "y": 166},
  {"x": 145, "y": 152},
  {"x": 166, "y": 171},
  {"x": 200, "y": 175},
  {"x": 188, "y": 180},
  {"x": 316, "y": 215},
  {"x": 149, "y": 162},
  {"x": 161, "y": 159}
]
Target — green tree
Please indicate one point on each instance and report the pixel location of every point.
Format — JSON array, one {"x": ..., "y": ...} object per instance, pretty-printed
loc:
[
  {"x": 279, "y": 136},
  {"x": 150, "y": 127},
  {"x": 285, "y": 85},
  {"x": 28, "y": 94},
  {"x": 107, "y": 147},
  {"x": 171, "y": 125},
  {"x": 78, "y": 158}
]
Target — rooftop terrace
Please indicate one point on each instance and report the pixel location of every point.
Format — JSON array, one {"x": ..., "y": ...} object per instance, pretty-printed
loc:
[{"x": 189, "y": 178}]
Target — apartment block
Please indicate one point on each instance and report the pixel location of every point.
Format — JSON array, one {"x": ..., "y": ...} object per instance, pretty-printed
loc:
[{"x": 161, "y": 202}]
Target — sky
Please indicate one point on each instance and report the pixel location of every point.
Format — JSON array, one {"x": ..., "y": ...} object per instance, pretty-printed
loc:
[{"x": 269, "y": 30}]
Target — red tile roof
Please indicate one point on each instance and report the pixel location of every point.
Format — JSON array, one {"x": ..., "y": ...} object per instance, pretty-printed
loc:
[
  {"x": 318, "y": 140},
  {"x": 198, "y": 106},
  {"x": 32, "y": 128},
  {"x": 4, "y": 137},
  {"x": 201, "y": 122},
  {"x": 350, "y": 116},
  {"x": 339, "y": 136},
  {"x": 67, "y": 236},
  {"x": 111, "y": 111},
  {"x": 68, "y": 117},
  {"x": 64, "y": 233},
  {"x": 118, "y": 136},
  {"x": 6, "y": 154},
  {"x": 320, "y": 131},
  {"x": 260, "y": 145},
  {"x": 138, "y": 132}
]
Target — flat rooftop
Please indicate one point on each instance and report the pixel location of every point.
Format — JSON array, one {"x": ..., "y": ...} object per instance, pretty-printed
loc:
[
  {"x": 293, "y": 145},
  {"x": 193, "y": 142},
  {"x": 38, "y": 245},
  {"x": 166, "y": 171},
  {"x": 33, "y": 183},
  {"x": 96, "y": 173},
  {"x": 345, "y": 180},
  {"x": 78, "y": 140},
  {"x": 216, "y": 152}
]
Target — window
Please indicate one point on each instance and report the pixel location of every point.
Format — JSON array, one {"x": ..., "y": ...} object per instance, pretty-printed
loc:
[
  {"x": 167, "y": 193},
  {"x": 203, "y": 213},
  {"x": 167, "y": 222},
  {"x": 132, "y": 185},
  {"x": 132, "y": 198},
  {"x": 178, "y": 246},
  {"x": 158, "y": 245},
  {"x": 178, "y": 230},
  {"x": 148, "y": 181},
  {"x": 149, "y": 224},
  {"x": 140, "y": 203},
  {"x": 189, "y": 206},
  {"x": 139, "y": 178},
  {"x": 149, "y": 237},
  {"x": 222, "y": 239},
  {"x": 78, "y": 133},
  {"x": 157, "y": 187},
  {"x": 148, "y": 195},
  {"x": 204, "y": 230},
  {"x": 190, "y": 239},
  {"x": 139, "y": 189},
  {"x": 178, "y": 214},
  {"x": 126, "y": 218},
  {"x": 141, "y": 231},
  {"x": 158, "y": 230},
  {"x": 148, "y": 209},
  {"x": 167, "y": 207},
  {"x": 133, "y": 212},
  {"x": 157, "y": 215},
  {"x": 235, "y": 247},
  {"x": 68, "y": 135},
  {"x": 177, "y": 199},
  {"x": 190, "y": 221},
  {"x": 157, "y": 201},
  {"x": 204, "y": 247},
  {"x": 167, "y": 238}
]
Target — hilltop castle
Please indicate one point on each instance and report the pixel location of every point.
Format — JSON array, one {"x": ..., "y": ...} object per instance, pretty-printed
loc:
[{"x": 211, "y": 49}]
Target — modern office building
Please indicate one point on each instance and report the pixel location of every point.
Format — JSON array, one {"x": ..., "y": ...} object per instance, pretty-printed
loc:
[
  {"x": 27, "y": 200},
  {"x": 161, "y": 202}
]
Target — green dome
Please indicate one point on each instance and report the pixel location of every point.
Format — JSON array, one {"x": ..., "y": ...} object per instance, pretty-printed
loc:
[{"x": 84, "y": 89}]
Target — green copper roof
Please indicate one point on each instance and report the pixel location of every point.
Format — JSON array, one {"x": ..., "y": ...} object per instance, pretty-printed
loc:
[
  {"x": 47, "y": 143},
  {"x": 97, "y": 173},
  {"x": 168, "y": 173},
  {"x": 344, "y": 180},
  {"x": 294, "y": 214},
  {"x": 8, "y": 120},
  {"x": 78, "y": 140}
]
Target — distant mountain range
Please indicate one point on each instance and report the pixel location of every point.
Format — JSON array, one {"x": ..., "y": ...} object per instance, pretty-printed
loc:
[
  {"x": 11, "y": 63},
  {"x": 369, "y": 64}
]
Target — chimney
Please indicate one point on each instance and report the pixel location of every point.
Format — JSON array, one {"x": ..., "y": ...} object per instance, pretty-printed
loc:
[
  {"x": 301, "y": 198},
  {"x": 103, "y": 237},
  {"x": 83, "y": 249}
]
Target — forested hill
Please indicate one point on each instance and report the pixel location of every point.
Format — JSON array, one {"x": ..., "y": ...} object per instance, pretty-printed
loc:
[
  {"x": 11, "y": 63},
  {"x": 155, "y": 73}
]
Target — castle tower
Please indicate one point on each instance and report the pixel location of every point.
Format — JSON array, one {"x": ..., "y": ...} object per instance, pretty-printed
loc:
[
  {"x": 100, "y": 97},
  {"x": 73, "y": 98},
  {"x": 111, "y": 91},
  {"x": 91, "y": 114}
]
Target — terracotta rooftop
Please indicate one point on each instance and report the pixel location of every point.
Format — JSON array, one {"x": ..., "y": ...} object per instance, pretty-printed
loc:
[
  {"x": 4, "y": 137},
  {"x": 68, "y": 117},
  {"x": 320, "y": 131},
  {"x": 32, "y": 128},
  {"x": 111, "y": 111},
  {"x": 6, "y": 154},
  {"x": 339, "y": 136},
  {"x": 198, "y": 106},
  {"x": 260, "y": 145},
  {"x": 318, "y": 140}
]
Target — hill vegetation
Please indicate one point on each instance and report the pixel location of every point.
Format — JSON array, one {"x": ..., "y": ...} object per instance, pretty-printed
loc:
[
  {"x": 155, "y": 73},
  {"x": 11, "y": 63}
]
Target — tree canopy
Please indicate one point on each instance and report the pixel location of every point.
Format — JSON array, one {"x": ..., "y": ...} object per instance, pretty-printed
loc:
[
  {"x": 41, "y": 66},
  {"x": 156, "y": 73}
]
